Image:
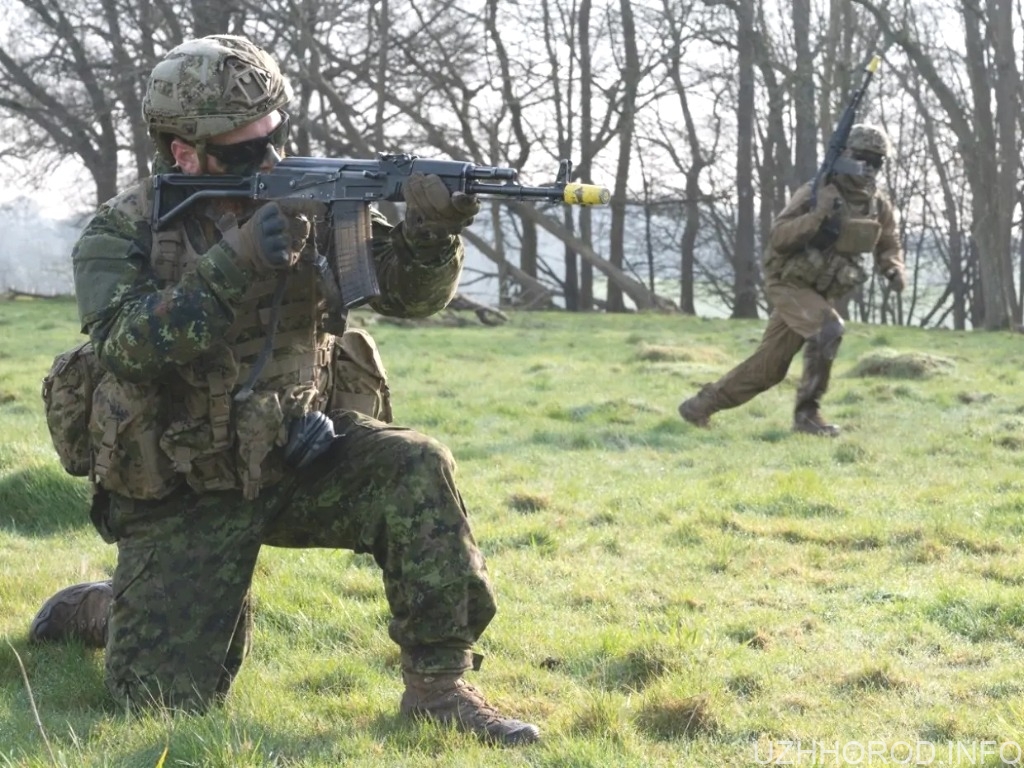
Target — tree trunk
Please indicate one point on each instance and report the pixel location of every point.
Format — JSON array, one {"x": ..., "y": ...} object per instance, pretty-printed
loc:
[
  {"x": 630, "y": 80},
  {"x": 624, "y": 284},
  {"x": 744, "y": 254}
]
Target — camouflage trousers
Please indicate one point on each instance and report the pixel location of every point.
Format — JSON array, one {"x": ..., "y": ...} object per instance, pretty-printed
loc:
[
  {"x": 797, "y": 314},
  {"x": 180, "y": 624}
]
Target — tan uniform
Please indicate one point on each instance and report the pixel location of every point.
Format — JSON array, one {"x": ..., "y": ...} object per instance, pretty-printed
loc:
[{"x": 801, "y": 283}]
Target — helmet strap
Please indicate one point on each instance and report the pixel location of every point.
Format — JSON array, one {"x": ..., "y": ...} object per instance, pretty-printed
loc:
[{"x": 202, "y": 157}]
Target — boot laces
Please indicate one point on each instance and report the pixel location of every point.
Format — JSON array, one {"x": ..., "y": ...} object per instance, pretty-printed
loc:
[{"x": 472, "y": 707}]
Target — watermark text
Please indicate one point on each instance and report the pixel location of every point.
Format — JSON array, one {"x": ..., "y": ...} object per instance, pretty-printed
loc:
[{"x": 877, "y": 752}]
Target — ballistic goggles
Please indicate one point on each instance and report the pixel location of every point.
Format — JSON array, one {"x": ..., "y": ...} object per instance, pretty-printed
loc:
[
  {"x": 871, "y": 159},
  {"x": 244, "y": 157}
]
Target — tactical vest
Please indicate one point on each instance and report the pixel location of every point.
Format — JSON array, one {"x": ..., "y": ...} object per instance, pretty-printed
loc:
[
  {"x": 834, "y": 271},
  {"x": 218, "y": 442},
  {"x": 147, "y": 439}
]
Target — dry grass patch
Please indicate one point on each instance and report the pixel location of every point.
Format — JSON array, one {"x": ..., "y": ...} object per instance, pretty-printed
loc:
[
  {"x": 1010, "y": 442},
  {"x": 909, "y": 365},
  {"x": 974, "y": 398},
  {"x": 637, "y": 669},
  {"x": 672, "y": 718},
  {"x": 661, "y": 353},
  {"x": 601, "y": 716},
  {"x": 528, "y": 503},
  {"x": 752, "y": 638},
  {"x": 744, "y": 685},
  {"x": 874, "y": 678},
  {"x": 928, "y": 551}
]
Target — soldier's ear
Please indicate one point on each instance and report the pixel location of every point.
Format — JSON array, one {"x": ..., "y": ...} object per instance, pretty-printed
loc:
[{"x": 185, "y": 156}]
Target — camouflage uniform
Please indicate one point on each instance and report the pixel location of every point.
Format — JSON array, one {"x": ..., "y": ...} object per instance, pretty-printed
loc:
[
  {"x": 192, "y": 483},
  {"x": 804, "y": 274},
  {"x": 179, "y": 624}
]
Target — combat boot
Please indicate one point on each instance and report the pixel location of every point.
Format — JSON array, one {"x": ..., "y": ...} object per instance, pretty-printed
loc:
[
  {"x": 447, "y": 698},
  {"x": 818, "y": 359},
  {"x": 699, "y": 408},
  {"x": 808, "y": 419},
  {"x": 80, "y": 612}
]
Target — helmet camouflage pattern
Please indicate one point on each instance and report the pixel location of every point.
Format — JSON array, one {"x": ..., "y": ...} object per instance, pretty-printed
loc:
[
  {"x": 209, "y": 86},
  {"x": 868, "y": 138}
]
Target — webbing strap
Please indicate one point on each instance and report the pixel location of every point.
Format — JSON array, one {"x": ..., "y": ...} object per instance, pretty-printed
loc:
[
  {"x": 105, "y": 450},
  {"x": 220, "y": 410}
]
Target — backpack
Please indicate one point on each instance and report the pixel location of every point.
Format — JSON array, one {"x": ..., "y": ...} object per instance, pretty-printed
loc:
[{"x": 67, "y": 402}]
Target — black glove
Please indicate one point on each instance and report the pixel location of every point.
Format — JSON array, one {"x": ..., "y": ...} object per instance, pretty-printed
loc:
[
  {"x": 432, "y": 212},
  {"x": 271, "y": 239},
  {"x": 829, "y": 207}
]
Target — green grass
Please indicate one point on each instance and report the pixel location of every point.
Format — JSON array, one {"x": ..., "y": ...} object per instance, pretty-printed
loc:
[{"x": 667, "y": 596}]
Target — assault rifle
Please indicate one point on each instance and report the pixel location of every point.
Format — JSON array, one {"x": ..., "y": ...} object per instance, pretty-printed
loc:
[
  {"x": 347, "y": 187},
  {"x": 834, "y": 162}
]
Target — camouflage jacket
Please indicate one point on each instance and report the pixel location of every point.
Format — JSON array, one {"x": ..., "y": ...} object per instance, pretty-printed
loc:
[
  {"x": 141, "y": 326},
  {"x": 177, "y": 334},
  {"x": 836, "y": 270}
]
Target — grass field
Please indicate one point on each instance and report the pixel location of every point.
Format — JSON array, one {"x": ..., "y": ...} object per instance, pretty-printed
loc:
[{"x": 668, "y": 596}]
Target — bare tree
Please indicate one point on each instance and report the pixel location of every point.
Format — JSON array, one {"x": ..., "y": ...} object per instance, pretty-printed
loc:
[
  {"x": 987, "y": 141},
  {"x": 745, "y": 258},
  {"x": 725, "y": 135}
]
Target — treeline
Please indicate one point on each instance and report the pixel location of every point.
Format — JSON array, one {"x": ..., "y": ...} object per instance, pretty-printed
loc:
[{"x": 700, "y": 116}]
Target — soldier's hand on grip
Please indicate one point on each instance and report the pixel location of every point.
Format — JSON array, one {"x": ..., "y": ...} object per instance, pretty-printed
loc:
[
  {"x": 432, "y": 211},
  {"x": 271, "y": 238},
  {"x": 829, "y": 199},
  {"x": 827, "y": 209}
]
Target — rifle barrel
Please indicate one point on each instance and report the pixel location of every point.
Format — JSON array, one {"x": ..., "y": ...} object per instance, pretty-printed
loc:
[{"x": 573, "y": 194}]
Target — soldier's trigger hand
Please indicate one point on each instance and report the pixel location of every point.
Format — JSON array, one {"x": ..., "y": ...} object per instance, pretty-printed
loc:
[
  {"x": 829, "y": 200},
  {"x": 432, "y": 211},
  {"x": 268, "y": 238}
]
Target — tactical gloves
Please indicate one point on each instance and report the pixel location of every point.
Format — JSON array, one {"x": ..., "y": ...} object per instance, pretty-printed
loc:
[
  {"x": 432, "y": 212},
  {"x": 828, "y": 201},
  {"x": 271, "y": 239},
  {"x": 828, "y": 208}
]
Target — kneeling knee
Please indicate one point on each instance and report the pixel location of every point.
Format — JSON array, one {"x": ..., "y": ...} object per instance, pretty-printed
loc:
[{"x": 425, "y": 454}]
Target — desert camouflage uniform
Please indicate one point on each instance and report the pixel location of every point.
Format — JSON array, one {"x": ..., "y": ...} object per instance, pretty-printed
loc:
[{"x": 188, "y": 535}]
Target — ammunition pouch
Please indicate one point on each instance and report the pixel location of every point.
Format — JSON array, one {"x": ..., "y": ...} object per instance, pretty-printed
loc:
[
  {"x": 67, "y": 402},
  {"x": 259, "y": 427},
  {"x": 125, "y": 426},
  {"x": 804, "y": 268},
  {"x": 197, "y": 439},
  {"x": 360, "y": 381},
  {"x": 842, "y": 273}
]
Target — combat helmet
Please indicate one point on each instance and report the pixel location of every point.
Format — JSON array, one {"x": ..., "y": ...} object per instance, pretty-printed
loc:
[
  {"x": 208, "y": 86},
  {"x": 868, "y": 138}
]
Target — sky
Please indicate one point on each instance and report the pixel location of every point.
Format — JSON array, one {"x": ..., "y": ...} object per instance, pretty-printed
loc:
[{"x": 68, "y": 192}]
